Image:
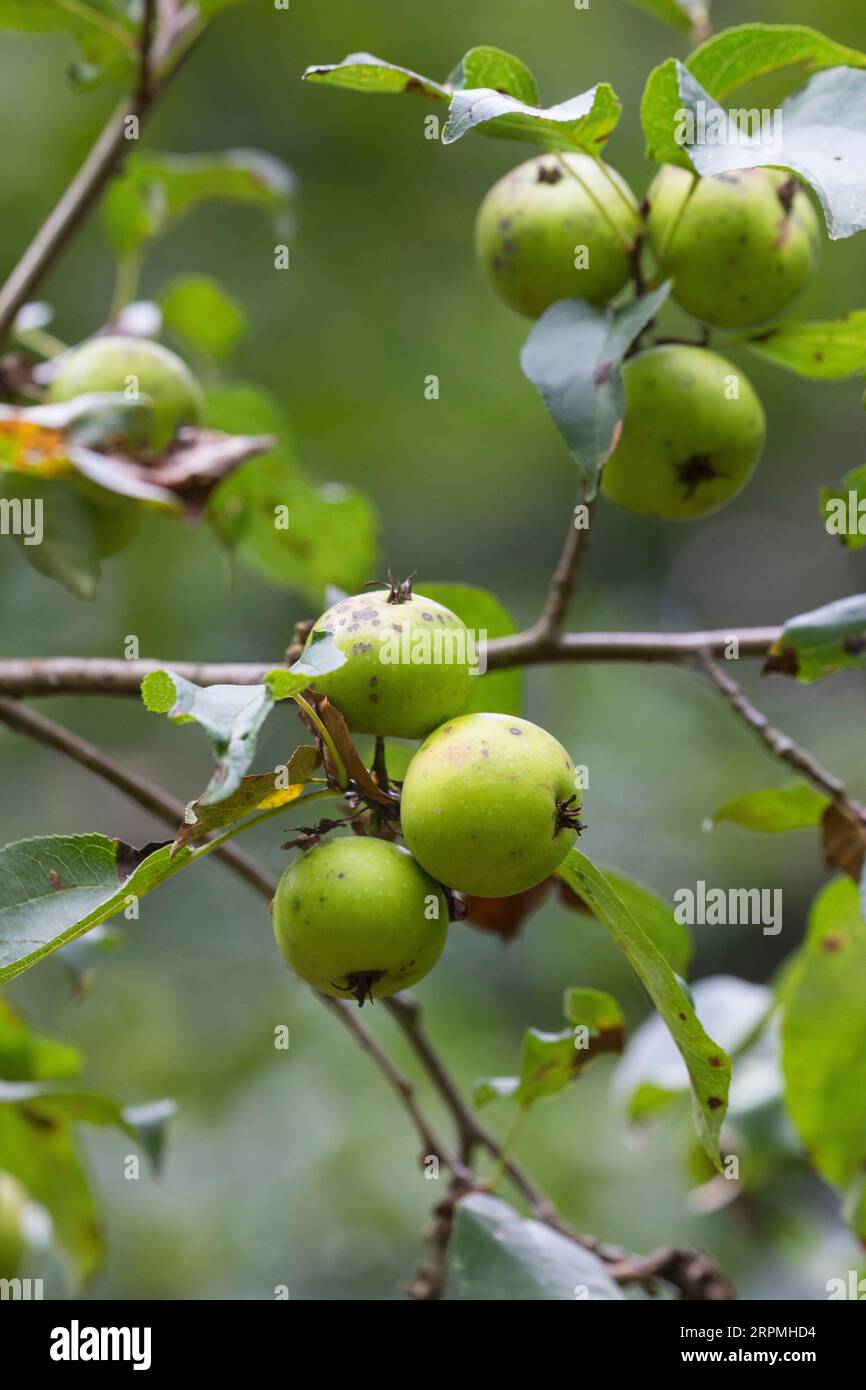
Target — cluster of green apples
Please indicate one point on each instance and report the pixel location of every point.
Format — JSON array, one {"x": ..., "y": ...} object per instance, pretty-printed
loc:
[
  {"x": 738, "y": 247},
  {"x": 488, "y": 809}
]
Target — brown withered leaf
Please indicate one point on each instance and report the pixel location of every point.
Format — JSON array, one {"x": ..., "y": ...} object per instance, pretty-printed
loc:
[
  {"x": 339, "y": 732},
  {"x": 258, "y": 792},
  {"x": 843, "y": 839},
  {"x": 198, "y": 459},
  {"x": 505, "y": 916}
]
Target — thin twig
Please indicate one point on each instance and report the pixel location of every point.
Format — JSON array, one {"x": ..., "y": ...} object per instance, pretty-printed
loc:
[
  {"x": 72, "y": 675},
  {"x": 780, "y": 744},
  {"x": 160, "y": 803},
  {"x": 104, "y": 159},
  {"x": 565, "y": 576}
]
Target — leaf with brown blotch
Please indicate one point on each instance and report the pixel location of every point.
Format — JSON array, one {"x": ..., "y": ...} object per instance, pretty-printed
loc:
[
  {"x": 843, "y": 839},
  {"x": 260, "y": 792},
  {"x": 504, "y": 917},
  {"x": 102, "y": 438}
]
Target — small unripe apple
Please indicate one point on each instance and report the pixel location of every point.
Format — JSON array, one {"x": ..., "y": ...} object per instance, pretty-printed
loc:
[
  {"x": 540, "y": 223},
  {"x": 408, "y": 662},
  {"x": 489, "y": 805},
  {"x": 692, "y": 434},
  {"x": 359, "y": 918},
  {"x": 13, "y": 1200},
  {"x": 136, "y": 368},
  {"x": 739, "y": 246}
]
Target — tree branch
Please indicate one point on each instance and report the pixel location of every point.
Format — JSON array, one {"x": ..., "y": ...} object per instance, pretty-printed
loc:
[
  {"x": 160, "y": 803},
  {"x": 163, "y": 52},
  {"x": 565, "y": 576},
  {"x": 779, "y": 744},
  {"x": 72, "y": 675}
]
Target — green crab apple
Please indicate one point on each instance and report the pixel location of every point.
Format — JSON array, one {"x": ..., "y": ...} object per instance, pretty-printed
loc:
[
  {"x": 358, "y": 917},
  {"x": 739, "y": 246},
  {"x": 409, "y": 662},
  {"x": 692, "y": 434},
  {"x": 13, "y": 1200},
  {"x": 489, "y": 805},
  {"x": 135, "y": 367},
  {"x": 557, "y": 228}
]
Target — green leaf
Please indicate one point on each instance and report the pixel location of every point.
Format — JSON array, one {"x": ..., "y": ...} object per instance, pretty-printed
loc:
[
  {"x": 708, "y": 1067},
  {"x": 573, "y": 358},
  {"x": 816, "y": 644},
  {"x": 495, "y": 69},
  {"x": 828, "y": 351},
  {"x": 824, "y": 1037},
  {"x": 724, "y": 63},
  {"x": 230, "y": 715},
  {"x": 45, "y": 1158},
  {"x": 581, "y": 124},
  {"x": 103, "y": 30},
  {"x": 682, "y": 14},
  {"x": 155, "y": 190},
  {"x": 55, "y": 888},
  {"x": 24, "y": 1056},
  {"x": 740, "y": 54},
  {"x": 794, "y": 806},
  {"x": 844, "y": 510},
  {"x": 362, "y": 72},
  {"x": 548, "y": 1061},
  {"x": 824, "y": 142},
  {"x": 319, "y": 658},
  {"x": 653, "y": 1071},
  {"x": 655, "y": 917},
  {"x": 67, "y": 551},
  {"x": 38, "y": 1146},
  {"x": 201, "y": 312},
  {"x": 494, "y": 1255},
  {"x": 332, "y": 530},
  {"x": 499, "y": 692}
]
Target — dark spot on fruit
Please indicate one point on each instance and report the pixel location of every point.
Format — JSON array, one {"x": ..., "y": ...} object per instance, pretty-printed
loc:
[
  {"x": 517, "y": 732},
  {"x": 504, "y": 224},
  {"x": 682, "y": 1018},
  {"x": 374, "y": 680},
  {"x": 361, "y": 647},
  {"x": 833, "y": 943},
  {"x": 713, "y": 1102},
  {"x": 697, "y": 469},
  {"x": 549, "y": 173},
  {"x": 374, "y": 699}
]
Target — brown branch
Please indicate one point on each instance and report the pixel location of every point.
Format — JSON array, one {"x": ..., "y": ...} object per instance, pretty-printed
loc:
[
  {"x": 105, "y": 158},
  {"x": 693, "y": 1273},
  {"x": 780, "y": 744},
  {"x": 160, "y": 803},
  {"x": 72, "y": 675},
  {"x": 564, "y": 580}
]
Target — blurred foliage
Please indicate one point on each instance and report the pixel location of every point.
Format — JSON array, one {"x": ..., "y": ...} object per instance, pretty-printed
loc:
[{"x": 296, "y": 1167}]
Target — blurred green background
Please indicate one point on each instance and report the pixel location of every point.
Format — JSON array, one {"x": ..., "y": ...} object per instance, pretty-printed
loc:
[{"x": 298, "y": 1168}]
